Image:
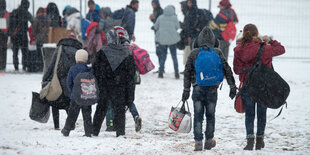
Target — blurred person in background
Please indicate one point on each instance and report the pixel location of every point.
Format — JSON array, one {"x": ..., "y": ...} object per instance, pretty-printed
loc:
[
  {"x": 157, "y": 11},
  {"x": 4, "y": 16},
  {"x": 40, "y": 28},
  {"x": 220, "y": 22},
  {"x": 94, "y": 13},
  {"x": 53, "y": 15},
  {"x": 167, "y": 36},
  {"x": 18, "y": 30},
  {"x": 129, "y": 19}
]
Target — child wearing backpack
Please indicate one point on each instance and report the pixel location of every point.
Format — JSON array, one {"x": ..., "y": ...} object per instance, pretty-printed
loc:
[
  {"x": 81, "y": 58},
  {"x": 205, "y": 69}
]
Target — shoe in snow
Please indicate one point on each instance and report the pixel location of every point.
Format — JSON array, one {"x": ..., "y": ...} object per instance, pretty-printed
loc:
[
  {"x": 138, "y": 123},
  {"x": 210, "y": 143},
  {"x": 65, "y": 132},
  {"x": 250, "y": 144},
  {"x": 198, "y": 146}
]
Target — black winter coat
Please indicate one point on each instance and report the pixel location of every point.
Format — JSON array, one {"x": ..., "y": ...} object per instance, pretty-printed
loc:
[
  {"x": 205, "y": 39},
  {"x": 19, "y": 23},
  {"x": 114, "y": 70},
  {"x": 67, "y": 59}
]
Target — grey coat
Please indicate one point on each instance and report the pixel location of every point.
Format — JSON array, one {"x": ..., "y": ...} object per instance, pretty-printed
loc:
[{"x": 166, "y": 27}]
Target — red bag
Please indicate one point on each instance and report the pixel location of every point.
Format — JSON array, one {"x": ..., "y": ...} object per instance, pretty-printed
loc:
[
  {"x": 239, "y": 105},
  {"x": 142, "y": 60},
  {"x": 230, "y": 31}
]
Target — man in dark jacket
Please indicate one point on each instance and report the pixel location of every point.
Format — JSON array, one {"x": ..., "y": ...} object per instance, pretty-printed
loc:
[
  {"x": 157, "y": 11},
  {"x": 3, "y": 34},
  {"x": 114, "y": 70},
  {"x": 18, "y": 31},
  {"x": 219, "y": 24},
  {"x": 69, "y": 47},
  {"x": 129, "y": 19},
  {"x": 205, "y": 97}
]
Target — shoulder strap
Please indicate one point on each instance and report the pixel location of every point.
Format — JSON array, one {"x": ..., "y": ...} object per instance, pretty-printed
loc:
[
  {"x": 260, "y": 52},
  {"x": 223, "y": 16},
  {"x": 58, "y": 58}
]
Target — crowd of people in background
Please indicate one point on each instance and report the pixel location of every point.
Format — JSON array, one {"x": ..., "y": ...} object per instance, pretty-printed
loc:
[{"x": 103, "y": 41}]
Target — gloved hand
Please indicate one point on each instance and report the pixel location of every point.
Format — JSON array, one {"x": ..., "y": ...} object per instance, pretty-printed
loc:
[
  {"x": 185, "y": 95},
  {"x": 233, "y": 92}
]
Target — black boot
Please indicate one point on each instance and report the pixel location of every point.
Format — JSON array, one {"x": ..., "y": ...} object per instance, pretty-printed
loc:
[
  {"x": 259, "y": 143},
  {"x": 160, "y": 75},
  {"x": 250, "y": 144},
  {"x": 177, "y": 75}
]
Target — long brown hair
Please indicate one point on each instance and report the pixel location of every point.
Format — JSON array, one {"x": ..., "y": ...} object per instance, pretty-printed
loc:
[{"x": 250, "y": 32}]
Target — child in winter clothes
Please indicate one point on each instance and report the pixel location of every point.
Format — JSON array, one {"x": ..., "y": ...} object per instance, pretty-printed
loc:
[
  {"x": 81, "y": 58},
  {"x": 205, "y": 97}
]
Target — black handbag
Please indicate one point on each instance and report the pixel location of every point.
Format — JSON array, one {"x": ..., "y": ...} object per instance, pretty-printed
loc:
[
  {"x": 265, "y": 86},
  {"x": 39, "y": 110}
]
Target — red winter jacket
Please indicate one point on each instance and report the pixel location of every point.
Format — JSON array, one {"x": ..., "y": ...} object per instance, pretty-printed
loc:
[{"x": 246, "y": 56}]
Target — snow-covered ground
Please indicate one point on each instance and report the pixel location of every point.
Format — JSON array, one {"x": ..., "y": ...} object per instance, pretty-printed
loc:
[{"x": 288, "y": 134}]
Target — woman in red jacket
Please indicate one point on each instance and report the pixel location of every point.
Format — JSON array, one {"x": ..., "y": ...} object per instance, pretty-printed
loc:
[{"x": 245, "y": 56}]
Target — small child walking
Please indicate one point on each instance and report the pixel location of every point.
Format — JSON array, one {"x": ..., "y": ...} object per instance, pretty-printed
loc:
[{"x": 81, "y": 58}]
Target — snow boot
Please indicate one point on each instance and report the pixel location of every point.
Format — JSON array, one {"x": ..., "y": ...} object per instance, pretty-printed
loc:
[
  {"x": 138, "y": 123},
  {"x": 65, "y": 132},
  {"x": 210, "y": 143},
  {"x": 250, "y": 144},
  {"x": 259, "y": 143},
  {"x": 177, "y": 75},
  {"x": 160, "y": 75},
  {"x": 198, "y": 146}
]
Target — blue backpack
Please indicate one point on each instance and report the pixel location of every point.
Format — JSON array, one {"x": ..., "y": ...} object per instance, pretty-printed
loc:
[{"x": 209, "y": 68}]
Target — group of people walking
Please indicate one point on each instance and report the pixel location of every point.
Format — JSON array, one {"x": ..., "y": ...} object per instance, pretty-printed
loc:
[{"x": 114, "y": 67}]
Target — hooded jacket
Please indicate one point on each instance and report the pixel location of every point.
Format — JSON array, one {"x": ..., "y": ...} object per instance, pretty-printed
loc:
[
  {"x": 246, "y": 56},
  {"x": 190, "y": 20},
  {"x": 19, "y": 21},
  {"x": 157, "y": 11},
  {"x": 53, "y": 14},
  {"x": 206, "y": 39},
  {"x": 114, "y": 70},
  {"x": 67, "y": 59},
  {"x": 166, "y": 27}
]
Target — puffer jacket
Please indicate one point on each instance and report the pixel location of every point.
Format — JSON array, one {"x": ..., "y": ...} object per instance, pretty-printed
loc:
[
  {"x": 246, "y": 56},
  {"x": 206, "y": 39},
  {"x": 166, "y": 27}
]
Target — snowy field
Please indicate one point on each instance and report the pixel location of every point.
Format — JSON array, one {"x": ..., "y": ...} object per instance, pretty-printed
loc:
[{"x": 288, "y": 134}]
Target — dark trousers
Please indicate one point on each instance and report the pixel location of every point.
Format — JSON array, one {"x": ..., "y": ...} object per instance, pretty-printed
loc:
[
  {"x": 100, "y": 113},
  {"x": 224, "y": 46},
  {"x": 20, "y": 43},
  {"x": 118, "y": 120},
  {"x": 73, "y": 114},
  {"x": 3, "y": 48},
  {"x": 55, "y": 112}
]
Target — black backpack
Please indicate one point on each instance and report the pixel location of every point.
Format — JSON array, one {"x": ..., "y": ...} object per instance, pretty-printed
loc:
[
  {"x": 85, "y": 89},
  {"x": 265, "y": 86}
]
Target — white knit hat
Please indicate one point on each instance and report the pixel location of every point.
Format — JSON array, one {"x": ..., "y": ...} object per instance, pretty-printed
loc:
[{"x": 81, "y": 56}]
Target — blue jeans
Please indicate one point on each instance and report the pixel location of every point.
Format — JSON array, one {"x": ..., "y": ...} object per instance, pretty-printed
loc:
[
  {"x": 163, "y": 56},
  {"x": 204, "y": 98},
  {"x": 250, "y": 116},
  {"x": 134, "y": 111}
]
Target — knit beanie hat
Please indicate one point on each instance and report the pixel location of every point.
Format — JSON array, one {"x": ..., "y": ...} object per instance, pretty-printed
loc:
[
  {"x": 225, "y": 3},
  {"x": 81, "y": 56}
]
